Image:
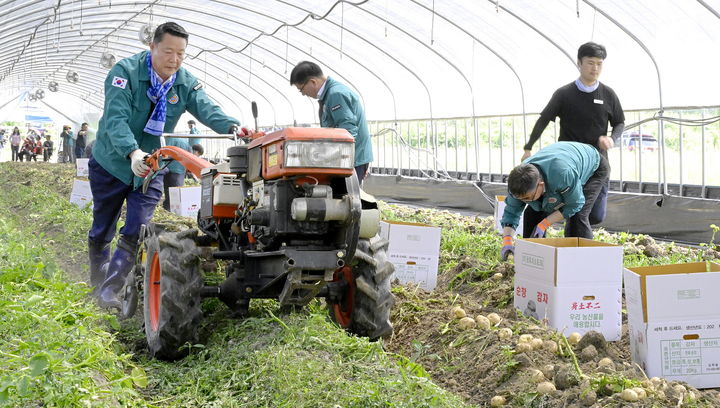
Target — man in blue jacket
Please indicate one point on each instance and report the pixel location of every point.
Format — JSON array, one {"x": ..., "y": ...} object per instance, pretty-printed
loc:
[
  {"x": 339, "y": 108},
  {"x": 560, "y": 182},
  {"x": 145, "y": 94}
]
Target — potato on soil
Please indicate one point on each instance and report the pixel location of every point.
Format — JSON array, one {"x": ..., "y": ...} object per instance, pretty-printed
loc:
[
  {"x": 482, "y": 322},
  {"x": 467, "y": 323},
  {"x": 457, "y": 312},
  {"x": 494, "y": 318},
  {"x": 497, "y": 401},
  {"x": 545, "y": 387},
  {"x": 505, "y": 333}
]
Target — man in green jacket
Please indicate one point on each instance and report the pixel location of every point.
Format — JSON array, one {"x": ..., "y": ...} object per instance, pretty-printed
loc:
[
  {"x": 339, "y": 108},
  {"x": 560, "y": 182},
  {"x": 145, "y": 94}
]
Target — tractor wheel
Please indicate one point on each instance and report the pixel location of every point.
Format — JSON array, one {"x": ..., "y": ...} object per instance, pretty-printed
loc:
[
  {"x": 364, "y": 308},
  {"x": 173, "y": 284}
]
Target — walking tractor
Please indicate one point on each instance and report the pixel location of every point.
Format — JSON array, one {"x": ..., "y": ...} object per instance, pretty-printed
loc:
[{"x": 287, "y": 217}]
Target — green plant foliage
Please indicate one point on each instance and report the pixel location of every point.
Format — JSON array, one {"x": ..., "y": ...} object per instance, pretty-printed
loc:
[{"x": 53, "y": 348}]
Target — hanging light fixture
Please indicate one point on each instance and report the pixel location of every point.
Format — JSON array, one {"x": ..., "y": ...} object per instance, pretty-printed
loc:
[
  {"x": 72, "y": 77},
  {"x": 107, "y": 60},
  {"x": 53, "y": 86},
  {"x": 145, "y": 34}
]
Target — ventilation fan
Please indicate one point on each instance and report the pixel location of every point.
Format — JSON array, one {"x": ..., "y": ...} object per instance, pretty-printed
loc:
[
  {"x": 32, "y": 97},
  {"x": 39, "y": 94},
  {"x": 72, "y": 77},
  {"x": 107, "y": 60},
  {"x": 53, "y": 86},
  {"x": 146, "y": 34}
]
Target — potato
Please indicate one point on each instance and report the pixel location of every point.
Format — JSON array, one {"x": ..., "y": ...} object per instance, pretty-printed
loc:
[
  {"x": 536, "y": 376},
  {"x": 457, "y": 312},
  {"x": 467, "y": 323},
  {"x": 497, "y": 401},
  {"x": 545, "y": 387},
  {"x": 494, "y": 318},
  {"x": 574, "y": 338},
  {"x": 629, "y": 395},
  {"x": 605, "y": 362},
  {"x": 498, "y": 276},
  {"x": 536, "y": 343},
  {"x": 642, "y": 394},
  {"x": 523, "y": 347},
  {"x": 505, "y": 333},
  {"x": 526, "y": 338},
  {"x": 482, "y": 322},
  {"x": 550, "y": 345}
]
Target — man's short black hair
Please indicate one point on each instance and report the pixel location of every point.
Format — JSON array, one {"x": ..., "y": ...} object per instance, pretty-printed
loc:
[
  {"x": 304, "y": 71},
  {"x": 171, "y": 28},
  {"x": 198, "y": 148},
  {"x": 191, "y": 122},
  {"x": 591, "y": 49},
  {"x": 523, "y": 179},
  {"x": 84, "y": 124}
]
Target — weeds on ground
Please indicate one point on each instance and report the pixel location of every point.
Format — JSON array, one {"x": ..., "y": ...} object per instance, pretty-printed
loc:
[{"x": 53, "y": 349}]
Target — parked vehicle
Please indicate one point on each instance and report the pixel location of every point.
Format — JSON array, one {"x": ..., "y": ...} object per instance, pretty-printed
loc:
[{"x": 634, "y": 140}]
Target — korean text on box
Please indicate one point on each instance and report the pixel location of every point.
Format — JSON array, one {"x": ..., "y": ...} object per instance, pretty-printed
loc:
[
  {"x": 185, "y": 201},
  {"x": 414, "y": 250},
  {"x": 571, "y": 284},
  {"x": 674, "y": 321}
]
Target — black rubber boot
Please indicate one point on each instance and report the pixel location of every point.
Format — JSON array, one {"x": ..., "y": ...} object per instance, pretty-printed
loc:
[
  {"x": 120, "y": 265},
  {"x": 99, "y": 254}
]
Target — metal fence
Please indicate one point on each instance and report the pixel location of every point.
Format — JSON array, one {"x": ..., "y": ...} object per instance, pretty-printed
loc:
[
  {"x": 672, "y": 151},
  {"x": 673, "y": 148}
]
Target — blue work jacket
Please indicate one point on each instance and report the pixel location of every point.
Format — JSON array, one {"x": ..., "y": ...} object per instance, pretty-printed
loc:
[
  {"x": 342, "y": 109},
  {"x": 127, "y": 109},
  {"x": 565, "y": 168}
]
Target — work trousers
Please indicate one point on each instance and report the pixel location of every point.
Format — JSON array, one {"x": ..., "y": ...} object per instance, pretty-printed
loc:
[
  {"x": 579, "y": 224},
  {"x": 109, "y": 194}
]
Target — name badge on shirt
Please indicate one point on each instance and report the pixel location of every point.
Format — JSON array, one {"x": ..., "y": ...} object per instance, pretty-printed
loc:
[{"x": 598, "y": 101}]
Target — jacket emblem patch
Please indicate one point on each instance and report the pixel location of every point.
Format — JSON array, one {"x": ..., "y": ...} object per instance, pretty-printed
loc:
[
  {"x": 334, "y": 108},
  {"x": 173, "y": 99},
  {"x": 119, "y": 82}
]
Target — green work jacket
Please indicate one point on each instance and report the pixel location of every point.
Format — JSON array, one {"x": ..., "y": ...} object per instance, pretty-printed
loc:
[
  {"x": 342, "y": 109},
  {"x": 565, "y": 167},
  {"x": 127, "y": 109}
]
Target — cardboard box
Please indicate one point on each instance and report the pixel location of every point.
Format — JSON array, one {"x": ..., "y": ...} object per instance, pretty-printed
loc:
[
  {"x": 414, "y": 250},
  {"x": 499, "y": 209},
  {"x": 81, "y": 194},
  {"x": 185, "y": 200},
  {"x": 572, "y": 284},
  {"x": 81, "y": 167},
  {"x": 674, "y": 321}
]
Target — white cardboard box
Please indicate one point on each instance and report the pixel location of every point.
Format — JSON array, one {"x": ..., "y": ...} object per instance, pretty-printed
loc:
[
  {"x": 674, "y": 321},
  {"x": 499, "y": 209},
  {"x": 414, "y": 250},
  {"x": 81, "y": 194},
  {"x": 572, "y": 284},
  {"x": 81, "y": 166},
  {"x": 185, "y": 200}
]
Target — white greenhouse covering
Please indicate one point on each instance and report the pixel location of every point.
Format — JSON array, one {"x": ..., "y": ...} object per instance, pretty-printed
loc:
[{"x": 408, "y": 59}]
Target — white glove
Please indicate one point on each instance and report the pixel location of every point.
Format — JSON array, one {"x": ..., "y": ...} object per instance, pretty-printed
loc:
[{"x": 137, "y": 163}]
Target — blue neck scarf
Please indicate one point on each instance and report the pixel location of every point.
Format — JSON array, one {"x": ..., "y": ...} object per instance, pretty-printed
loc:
[
  {"x": 584, "y": 88},
  {"x": 157, "y": 94}
]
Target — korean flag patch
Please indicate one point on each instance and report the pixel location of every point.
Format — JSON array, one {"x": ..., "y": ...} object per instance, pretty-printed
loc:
[{"x": 119, "y": 82}]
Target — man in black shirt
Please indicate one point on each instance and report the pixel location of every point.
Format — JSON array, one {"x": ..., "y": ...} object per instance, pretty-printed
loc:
[{"x": 585, "y": 108}]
